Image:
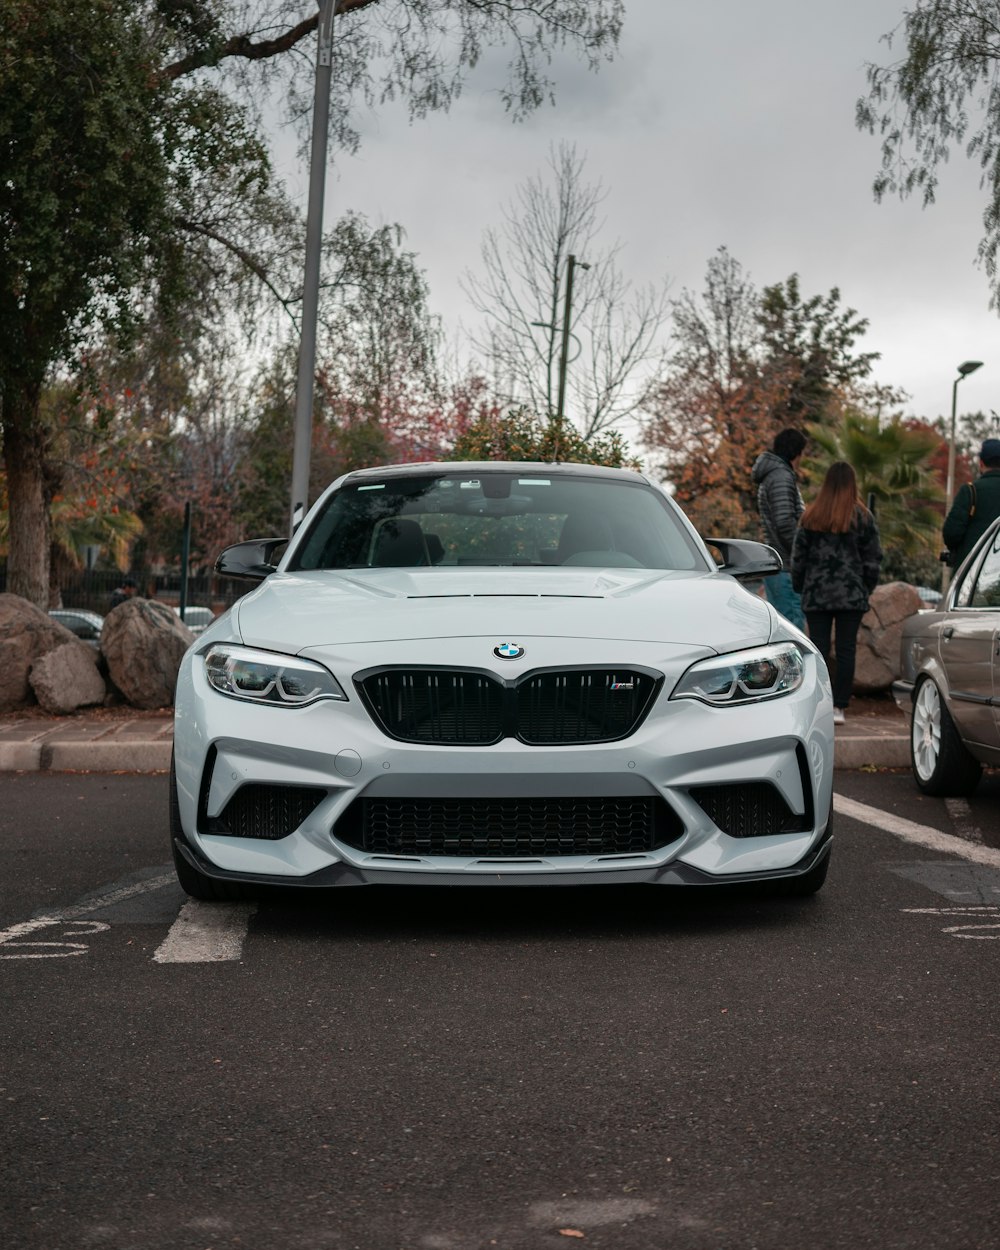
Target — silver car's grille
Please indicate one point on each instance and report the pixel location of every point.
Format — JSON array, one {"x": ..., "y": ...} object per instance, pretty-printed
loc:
[
  {"x": 550, "y": 707},
  {"x": 508, "y": 827}
]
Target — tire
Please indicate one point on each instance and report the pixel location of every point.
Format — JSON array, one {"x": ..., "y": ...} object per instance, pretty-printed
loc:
[
  {"x": 193, "y": 882},
  {"x": 940, "y": 761}
]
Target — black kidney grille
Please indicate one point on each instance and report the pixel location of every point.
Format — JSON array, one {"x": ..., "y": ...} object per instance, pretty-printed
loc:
[
  {"x": 551, "y": 708},
  {"x": 578, "y": 707},
  {"x": 752, "y": 809},
  {"x": 508, "y": 828},
  {"x": 271, "y": 812},
  {"x": 454, "y": 708}
]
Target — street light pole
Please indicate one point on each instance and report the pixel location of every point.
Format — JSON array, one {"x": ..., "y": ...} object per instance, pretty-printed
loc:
[
  {"x": 969, "y": 366},
  {"x": 964, "y": 369},
  {"x": 571, "y": 264},
  {"x": 302, "y": 444}
]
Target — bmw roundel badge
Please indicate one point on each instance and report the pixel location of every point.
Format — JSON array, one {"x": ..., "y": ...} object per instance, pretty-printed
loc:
[{"x": 508, "y": 651}]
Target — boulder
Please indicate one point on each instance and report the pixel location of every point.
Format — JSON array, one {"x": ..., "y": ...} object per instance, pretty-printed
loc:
[
  {"x": 142, "y": 643},
  {"x": 26, "y": 634},
  {"x": 67, "y": 678},
  {"x": 877, "y": 665}
]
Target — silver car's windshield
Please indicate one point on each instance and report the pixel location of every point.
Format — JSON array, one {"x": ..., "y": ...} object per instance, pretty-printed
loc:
[{"x": 497, "y": 518}]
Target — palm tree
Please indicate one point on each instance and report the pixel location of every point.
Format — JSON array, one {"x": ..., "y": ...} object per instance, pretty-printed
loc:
[{"x": 893, "y": 463}]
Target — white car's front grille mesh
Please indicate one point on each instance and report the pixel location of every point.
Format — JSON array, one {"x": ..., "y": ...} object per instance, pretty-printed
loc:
[
  {"x": 550, "y": 707},
  {"x": 508, "y": 827}
]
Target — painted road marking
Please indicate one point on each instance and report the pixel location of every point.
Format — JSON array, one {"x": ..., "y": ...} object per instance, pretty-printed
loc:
[
  {"x": 117, "y": 895},
  {"x": 961, "y": 817},
  {"x": 975, "y": 932},
  {"x": 206, "y": 933},
  {"x": 919, "y": 835},
  {"x": 16, "y": 944}
]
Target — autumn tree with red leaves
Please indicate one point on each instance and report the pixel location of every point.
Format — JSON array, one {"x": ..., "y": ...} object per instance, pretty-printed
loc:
[
  {"x": 134, "y": 172},
  {"x": 746, "y": 364}
]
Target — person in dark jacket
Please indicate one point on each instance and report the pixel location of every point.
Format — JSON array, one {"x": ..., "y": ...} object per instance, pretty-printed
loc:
[
  {"x": 780, "y": 505},
  {"x": 123, "y": 593},
  {"x": 835, "y": 564},
  {"x": 973, "y": 510}
]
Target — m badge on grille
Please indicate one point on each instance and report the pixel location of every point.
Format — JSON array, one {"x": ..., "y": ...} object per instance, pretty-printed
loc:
[{"x": 508, "y": 651}]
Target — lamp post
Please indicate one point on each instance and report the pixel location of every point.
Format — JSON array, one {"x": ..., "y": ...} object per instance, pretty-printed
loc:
[
  {"x": 302, "y": 443},
  {"x": 964, "y": 369},
  {"x": 571, "y": 264},
  {"x": 970, "y": 366}
]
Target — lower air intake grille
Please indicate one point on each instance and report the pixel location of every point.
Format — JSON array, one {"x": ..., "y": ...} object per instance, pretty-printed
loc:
[
  {"x": 269, "y": 812},
  {"x": 508, "y": 828},
  {"x": 754, "y": 809}
]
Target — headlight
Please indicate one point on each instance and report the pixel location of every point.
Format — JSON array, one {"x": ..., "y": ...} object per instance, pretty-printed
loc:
[
  {"x": 264, "y": 677},
  {"x": 743, "y": 677}
]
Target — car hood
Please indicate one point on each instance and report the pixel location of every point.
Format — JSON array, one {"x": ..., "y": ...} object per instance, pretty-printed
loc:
[{"x": 294, "y": 611}]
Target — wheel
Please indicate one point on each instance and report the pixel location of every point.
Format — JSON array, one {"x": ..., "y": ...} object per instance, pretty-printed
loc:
[
  {"x": 193, "y": 882},
  {"x": 941, "y": 764}
]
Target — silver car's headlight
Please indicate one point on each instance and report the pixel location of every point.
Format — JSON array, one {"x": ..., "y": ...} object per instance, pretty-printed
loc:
[
  {"x": 265, "y": 677},
  {"x": 744, "y": 676}
]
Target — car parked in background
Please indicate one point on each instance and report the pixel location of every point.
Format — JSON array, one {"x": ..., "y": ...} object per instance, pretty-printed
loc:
[
  {"x": 86, "y": 625},
  {"x": 489, "y": 674},
  {"x": 197, "y": 619},
  {"x": 950, "y": 677}
]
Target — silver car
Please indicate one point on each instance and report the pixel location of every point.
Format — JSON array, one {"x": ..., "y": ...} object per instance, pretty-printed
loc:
[
  {"x": 500, "y": 674},
  {"x": 85, "y": 625},
  {"x": 950, "y": 677}
]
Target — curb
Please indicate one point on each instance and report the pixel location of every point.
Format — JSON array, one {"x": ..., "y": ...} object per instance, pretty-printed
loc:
[
  {"x": 877, "y": 751},
  {"x": 123, "y": 750}
]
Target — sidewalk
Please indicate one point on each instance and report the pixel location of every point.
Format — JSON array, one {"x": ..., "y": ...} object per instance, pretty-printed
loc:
[{"x": 142, "y": 744}]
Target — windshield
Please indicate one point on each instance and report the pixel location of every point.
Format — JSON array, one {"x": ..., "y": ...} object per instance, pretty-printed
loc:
[{"x": 497, "y": 518}]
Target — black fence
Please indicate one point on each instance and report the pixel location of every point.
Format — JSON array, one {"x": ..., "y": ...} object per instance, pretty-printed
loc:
[{"x": 92, "y": 589}]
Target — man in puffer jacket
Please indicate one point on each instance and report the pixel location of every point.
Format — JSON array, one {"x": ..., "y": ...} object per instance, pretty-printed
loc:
[{"x": 780, "y": 505}]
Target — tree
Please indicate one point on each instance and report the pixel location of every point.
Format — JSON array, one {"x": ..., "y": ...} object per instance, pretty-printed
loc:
[
  {"x": 745, "y": 365},
  {"x": 521, "y": 295},
  {"x": 810, "y": 346},
  {"x": 133, "y": 173},
  {"x": 941, "y": 94},
  {"x": 519, "y": 435},
  {"x": 711, "y": 413}
]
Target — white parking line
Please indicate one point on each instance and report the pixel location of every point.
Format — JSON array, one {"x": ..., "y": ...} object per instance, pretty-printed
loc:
[
  {"x": 920, "y": 835},
  {"x": 961, "y": 817},
  {"x": 115, "y": 896},
  {"x": 206, "y": 933}
]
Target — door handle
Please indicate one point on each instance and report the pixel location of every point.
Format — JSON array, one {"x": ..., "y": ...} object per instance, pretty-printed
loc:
[{"x": 948, "y": 631}]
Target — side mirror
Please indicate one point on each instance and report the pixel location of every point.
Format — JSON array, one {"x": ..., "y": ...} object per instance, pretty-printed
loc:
[
  {"x": 745, "y": 559},
  {"x": 251, "y": 561}
]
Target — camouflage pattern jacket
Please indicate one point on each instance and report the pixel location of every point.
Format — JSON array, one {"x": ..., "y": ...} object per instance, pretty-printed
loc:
[{"x": 837, "y": 572}]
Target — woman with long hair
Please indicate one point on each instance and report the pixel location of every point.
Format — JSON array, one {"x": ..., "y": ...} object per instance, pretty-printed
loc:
[{"x": 835, "y": 563}]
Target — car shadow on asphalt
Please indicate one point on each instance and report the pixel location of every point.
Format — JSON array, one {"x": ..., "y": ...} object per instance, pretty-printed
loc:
[{"x": 441, "y": 913}]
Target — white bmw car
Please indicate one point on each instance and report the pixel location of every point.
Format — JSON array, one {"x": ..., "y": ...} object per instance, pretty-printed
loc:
[{"x": 500, "y": 674}]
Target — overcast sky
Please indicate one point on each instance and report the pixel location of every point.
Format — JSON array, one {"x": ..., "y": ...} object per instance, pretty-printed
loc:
[{"x": 724, "y": 122}]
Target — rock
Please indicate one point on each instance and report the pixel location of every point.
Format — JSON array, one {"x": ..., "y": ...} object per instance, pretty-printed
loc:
[
  {"x": 26, "y": 634},
  {"x": 877, "y": 665},
  {"x": 142, "y": 642},
  {"x": 67, "y": 678}
]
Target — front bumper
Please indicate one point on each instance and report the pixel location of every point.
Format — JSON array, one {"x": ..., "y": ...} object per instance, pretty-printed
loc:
[
  {"x": 680, "y": 749},
  {"x": 673, "y": 874}
]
